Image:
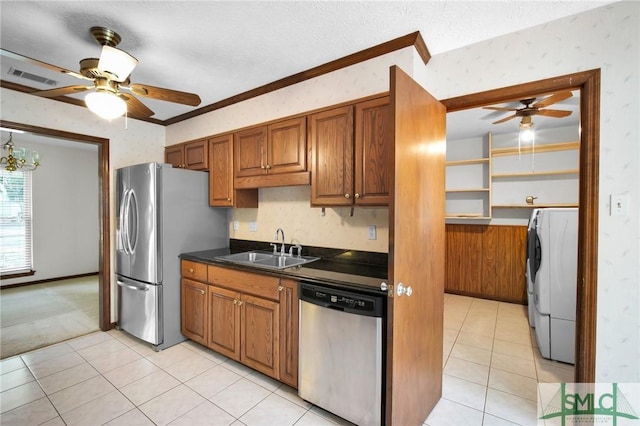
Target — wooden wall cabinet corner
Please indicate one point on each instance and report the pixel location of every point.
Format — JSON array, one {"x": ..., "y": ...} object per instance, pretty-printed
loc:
[
  {"x": 221, "y": 186},
  {"x": 174, "y": 155},
  {"x": 191, "y": 155},
  {"x": 350, "y": 153}
]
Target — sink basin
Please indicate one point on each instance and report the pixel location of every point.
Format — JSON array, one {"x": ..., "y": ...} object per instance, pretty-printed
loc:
[
  {"x": 266, "y": 260},
  {"x": 281, "y": 262},
  {"x": 247, "y": 256}
]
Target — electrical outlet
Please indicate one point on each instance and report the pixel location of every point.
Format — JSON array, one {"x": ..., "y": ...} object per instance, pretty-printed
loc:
[
  {"x": 619, "y": 205},
  {"x": 372, "y": 232},
  {"x": 253, "y": 226},
  {"x": 236, "y": 225}
]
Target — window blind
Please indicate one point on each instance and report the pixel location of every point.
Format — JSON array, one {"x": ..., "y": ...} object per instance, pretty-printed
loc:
[{"x": 16, "y": 254}]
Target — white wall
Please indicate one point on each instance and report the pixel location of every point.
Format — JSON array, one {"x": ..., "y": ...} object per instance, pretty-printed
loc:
[
  {"x": 65, "y": 198},
  {"x": 607, "y": 38}
]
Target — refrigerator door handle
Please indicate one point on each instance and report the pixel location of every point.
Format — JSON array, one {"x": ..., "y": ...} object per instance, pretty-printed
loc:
[
  {"x": 131, "y": 287},
  {"x": 122, "y": 222},
  {"x": 133, "y": 206},
  {"x": 125, "y": 222}
]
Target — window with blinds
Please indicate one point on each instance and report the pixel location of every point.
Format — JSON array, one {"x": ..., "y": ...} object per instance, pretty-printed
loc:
[{"x": 15, "y": 223}]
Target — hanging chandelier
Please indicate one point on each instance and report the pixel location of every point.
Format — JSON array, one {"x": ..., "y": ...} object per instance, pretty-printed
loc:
[{"x": 19, "y": 158}]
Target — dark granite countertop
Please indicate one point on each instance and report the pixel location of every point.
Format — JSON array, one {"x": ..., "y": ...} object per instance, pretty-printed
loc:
[{"x": 349, "y": 269}]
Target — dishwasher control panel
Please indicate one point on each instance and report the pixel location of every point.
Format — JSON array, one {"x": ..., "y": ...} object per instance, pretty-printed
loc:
[{"x": 347, "y": 301}]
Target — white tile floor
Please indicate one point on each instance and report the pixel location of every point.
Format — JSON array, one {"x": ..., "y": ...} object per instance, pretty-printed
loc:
[{"x": 490, "y": 375}]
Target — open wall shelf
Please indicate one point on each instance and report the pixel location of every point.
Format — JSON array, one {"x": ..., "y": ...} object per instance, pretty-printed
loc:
[{"x": 482, "y": 175}]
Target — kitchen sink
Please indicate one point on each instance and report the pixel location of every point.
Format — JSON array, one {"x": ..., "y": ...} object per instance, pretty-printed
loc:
[
  {"x": 247, "y": 256},
  {"x": 266, "y": 260}
]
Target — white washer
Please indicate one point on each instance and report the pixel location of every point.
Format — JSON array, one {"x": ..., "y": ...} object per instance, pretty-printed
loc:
[{"x": 554, "y": 287}]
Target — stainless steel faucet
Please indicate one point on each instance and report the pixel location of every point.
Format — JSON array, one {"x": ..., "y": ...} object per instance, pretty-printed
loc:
[{"x": 276, "y": 238}]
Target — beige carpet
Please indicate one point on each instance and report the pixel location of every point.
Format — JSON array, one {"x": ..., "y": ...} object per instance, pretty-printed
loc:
[{"x": 43, "y": 314}]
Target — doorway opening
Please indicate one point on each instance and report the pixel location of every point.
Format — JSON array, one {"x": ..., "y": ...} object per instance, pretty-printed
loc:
[
  {"x": 588, "y": 84},
  {"x": 104, "y": 268}
]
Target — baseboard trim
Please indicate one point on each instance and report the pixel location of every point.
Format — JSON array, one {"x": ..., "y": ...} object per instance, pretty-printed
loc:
[
  {"x": 48, "y": 280},
  {"x": 487, "y": 297}
]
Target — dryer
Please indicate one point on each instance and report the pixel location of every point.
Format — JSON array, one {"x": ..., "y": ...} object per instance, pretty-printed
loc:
[
  {"x": 532, "y": 264},
  {"x": 554, "y": 285}
]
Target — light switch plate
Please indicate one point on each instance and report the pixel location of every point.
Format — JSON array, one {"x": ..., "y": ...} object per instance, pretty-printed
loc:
[
  {"x": 372, "y": 232},
  {"x": 253, "y": 226},
  {"x": 619, "y": 205},
  {"x": 236, "y": 225}
]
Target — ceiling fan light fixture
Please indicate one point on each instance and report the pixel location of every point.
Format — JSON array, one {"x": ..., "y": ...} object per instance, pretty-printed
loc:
[
  {"x": 105, "y": 104},
  {"x": 116, "y": 62},
  {"x": 526, "y": 134}
]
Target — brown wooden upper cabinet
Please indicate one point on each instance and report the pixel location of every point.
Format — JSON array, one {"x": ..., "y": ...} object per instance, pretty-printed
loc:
[
  {"x": 277, "y": 148},
  {"x": 349, "y": 160},
  {"x": 191, "y": 155},
  {"x": 221, "y": 188}
]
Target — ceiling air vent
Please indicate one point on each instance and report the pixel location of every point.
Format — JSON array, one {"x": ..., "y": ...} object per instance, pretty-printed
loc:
[{"x": 33, "y": 77}]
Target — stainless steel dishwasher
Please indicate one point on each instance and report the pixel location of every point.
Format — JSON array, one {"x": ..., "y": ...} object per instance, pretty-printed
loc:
[{"x": 340, "y": 355}]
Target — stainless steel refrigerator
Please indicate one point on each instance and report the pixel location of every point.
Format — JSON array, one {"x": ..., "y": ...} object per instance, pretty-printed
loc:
[{"x": 161, "y": 212}]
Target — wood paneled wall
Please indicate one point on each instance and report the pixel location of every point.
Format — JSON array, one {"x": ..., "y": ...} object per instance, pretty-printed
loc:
[{"x": 486, "y": 261}]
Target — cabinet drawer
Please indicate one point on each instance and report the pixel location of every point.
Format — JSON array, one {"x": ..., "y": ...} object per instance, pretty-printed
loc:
[
  {"x": 245, "y": 282},
  {"x": 194, "y": 270}
]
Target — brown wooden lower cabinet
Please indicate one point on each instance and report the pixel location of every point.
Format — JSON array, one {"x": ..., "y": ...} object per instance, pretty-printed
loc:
[
  {"x": 224, "y": 322},
  {"x": 260, "y": 334},
  {"x": 486, "y": 261},
  {"x": 251, "y": 318},
  {"x": 194, "y": 310}
]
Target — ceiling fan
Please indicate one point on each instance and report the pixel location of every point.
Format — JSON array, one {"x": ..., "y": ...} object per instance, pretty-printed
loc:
[
  {"x": 530, "y": 108},
  {"x": 109, "y": 76}
]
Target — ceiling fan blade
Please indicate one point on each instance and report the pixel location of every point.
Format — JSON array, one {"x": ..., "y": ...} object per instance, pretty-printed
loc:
[
  {"x": 54, "y": 68},
  {"x": 162, "y": 94},
  {"x": 135, "y": 108},
  {"x": 556, "y": 113},
  {"x": 555, "y": 98},
  {"x": 61, "y": 91},
  {"x": 500, "y": 108},
  {"x": 505, "y": 119}
]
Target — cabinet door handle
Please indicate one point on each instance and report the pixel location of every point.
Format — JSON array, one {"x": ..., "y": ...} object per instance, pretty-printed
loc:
[
  {"x": 235, "y": 302},
  {"x": 228, "y": 199},
  {"x": 280, "y": 288},
  {"x": 357, "y": 195},
  {"x": 268, "y": 167},
  {"x": 347, "y": 195},
  {"x": 240, "y": 303},
  {"x": 263, "y": 167},
  {"x": 191, "y": 270},
  {"x": 201, "y": 291}
]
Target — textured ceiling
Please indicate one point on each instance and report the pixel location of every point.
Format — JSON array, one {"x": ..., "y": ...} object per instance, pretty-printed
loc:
[{"x": 220, "y": 49}]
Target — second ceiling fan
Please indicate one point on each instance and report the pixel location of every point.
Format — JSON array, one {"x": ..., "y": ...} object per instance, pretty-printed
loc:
[{"x": 530, "y": 108}]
